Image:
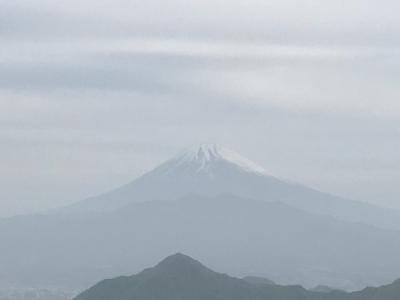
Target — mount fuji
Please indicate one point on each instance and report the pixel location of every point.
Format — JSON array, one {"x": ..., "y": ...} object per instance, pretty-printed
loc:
[
  {"x": 210, "y": 170},
  {"x": 216, "y": 205}
]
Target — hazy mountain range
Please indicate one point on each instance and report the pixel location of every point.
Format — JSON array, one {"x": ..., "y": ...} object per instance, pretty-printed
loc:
[
  {"x": 215, "y": 205},
  {"x": 181, "y": 277}
]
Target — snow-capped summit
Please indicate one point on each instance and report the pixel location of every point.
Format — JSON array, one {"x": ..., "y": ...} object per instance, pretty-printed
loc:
[
  {"x": 205, "y": 155},
  {"x": 206, "y": 170}
]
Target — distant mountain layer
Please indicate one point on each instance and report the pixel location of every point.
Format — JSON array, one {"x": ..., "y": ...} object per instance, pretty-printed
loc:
[
  {"x": 179, "y": 277},
  {"x": 211, "y": 170},
  {"x": 236, "y": 235},
  {"x": 258, "y": 280}
]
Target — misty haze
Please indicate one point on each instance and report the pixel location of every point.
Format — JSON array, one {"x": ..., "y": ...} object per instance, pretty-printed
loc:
[{"x": 199, "y": 150}]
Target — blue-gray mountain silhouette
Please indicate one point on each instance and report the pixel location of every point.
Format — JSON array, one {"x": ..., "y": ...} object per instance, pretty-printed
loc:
[{"x": 180, "y": 277}]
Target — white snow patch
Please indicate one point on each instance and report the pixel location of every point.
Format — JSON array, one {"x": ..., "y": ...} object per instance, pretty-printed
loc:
[{"x": 205, "y": 154}]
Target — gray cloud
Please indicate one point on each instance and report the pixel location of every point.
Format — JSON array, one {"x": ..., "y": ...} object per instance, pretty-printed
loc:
[{"x": 352, "y": 22}]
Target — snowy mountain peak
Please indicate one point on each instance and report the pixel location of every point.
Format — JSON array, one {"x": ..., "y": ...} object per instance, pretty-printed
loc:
[
  {"x": 207, "y": 154},
  {"x": 204, "y": 153}
]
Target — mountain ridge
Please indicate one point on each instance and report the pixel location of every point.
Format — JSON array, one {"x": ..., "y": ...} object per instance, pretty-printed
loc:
[{"x": 162, "y": 283}]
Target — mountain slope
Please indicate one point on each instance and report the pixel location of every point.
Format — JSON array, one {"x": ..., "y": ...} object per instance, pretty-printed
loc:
[
  {"x": 260, "y": 281},
  {"x": 388, "y": 292},
  {"x": 239, "y": 236},
  {"x": 211, "y": 170},
  {"x": 176, "y": 277},
  {"x": 180, "y": 277}
]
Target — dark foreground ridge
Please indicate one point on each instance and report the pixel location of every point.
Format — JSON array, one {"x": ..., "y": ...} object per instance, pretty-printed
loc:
[{"x": 179, "y": 277}]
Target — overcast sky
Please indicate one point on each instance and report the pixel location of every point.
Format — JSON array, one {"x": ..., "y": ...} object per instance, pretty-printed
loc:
[{"x": 94, "y": 93}]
